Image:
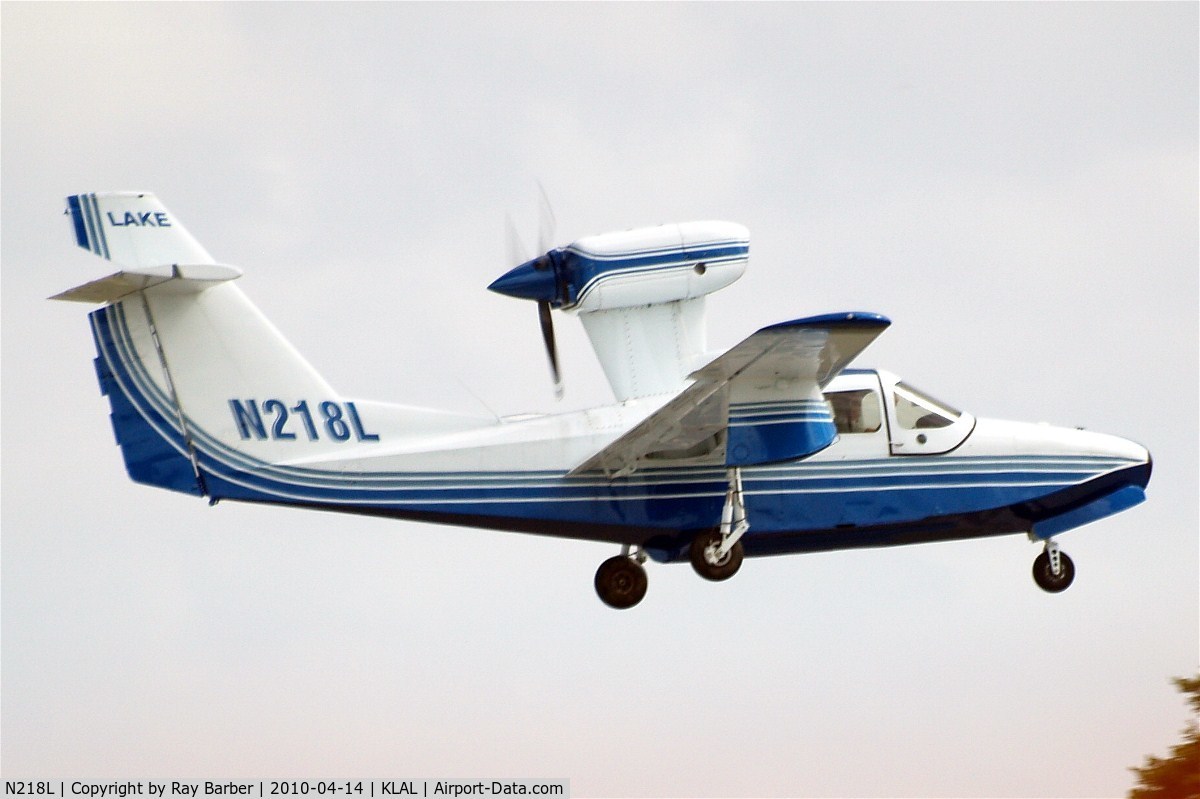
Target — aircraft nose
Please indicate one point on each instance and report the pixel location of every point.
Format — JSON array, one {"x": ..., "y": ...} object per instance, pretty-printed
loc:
[
  {"x": 1142, "y": 464},
  {"x": 1147, "y": 469},
  {"x": 529, "y": 281}
]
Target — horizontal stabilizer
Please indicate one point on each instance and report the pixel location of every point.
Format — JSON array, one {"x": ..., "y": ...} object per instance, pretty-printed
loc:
[{"x": 189, "y": 278}]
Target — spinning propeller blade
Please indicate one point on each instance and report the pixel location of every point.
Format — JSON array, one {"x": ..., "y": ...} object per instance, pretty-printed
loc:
[
  {"x": 535, "y": 279},
  {"x": 513, "y": 246},
  {"x": 547, "y": 323},
  {"x": 546, "y": 221}
]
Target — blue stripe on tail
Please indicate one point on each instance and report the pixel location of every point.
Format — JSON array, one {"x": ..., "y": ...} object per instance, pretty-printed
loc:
[
  {"x": 81, "y": 236},
  {"x": 150, "y": 457}
]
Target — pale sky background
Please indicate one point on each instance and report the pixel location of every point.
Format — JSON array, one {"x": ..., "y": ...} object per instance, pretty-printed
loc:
[{"x": 1014, "y": 185}]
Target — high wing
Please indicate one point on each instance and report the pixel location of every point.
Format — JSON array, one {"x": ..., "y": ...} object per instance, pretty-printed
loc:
[{"x": 760, "y": 402}]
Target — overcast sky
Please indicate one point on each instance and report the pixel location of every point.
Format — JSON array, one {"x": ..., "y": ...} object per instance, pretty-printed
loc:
[{"x": 1014, "y": 185}]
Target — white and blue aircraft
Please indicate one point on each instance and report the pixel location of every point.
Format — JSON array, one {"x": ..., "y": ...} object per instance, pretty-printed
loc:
[{"x": 771, "y": 447}]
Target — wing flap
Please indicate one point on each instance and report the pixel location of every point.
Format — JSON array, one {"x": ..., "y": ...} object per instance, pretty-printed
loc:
[{"x": 695, "y": 416}]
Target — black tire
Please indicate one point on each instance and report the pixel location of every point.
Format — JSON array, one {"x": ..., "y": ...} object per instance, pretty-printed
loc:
[
  {"x": 715, "y": 571},
  {"x": 621, "y": 582},
  {"x": 1048, "y": 580}
]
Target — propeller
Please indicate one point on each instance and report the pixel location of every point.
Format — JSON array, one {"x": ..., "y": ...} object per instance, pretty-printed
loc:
[
  {"x": 546, "y": 221},
  {"x": 551, "y": 346},
  {"x": 535, "y": 278},
  {"x": 547, "y": 226}
]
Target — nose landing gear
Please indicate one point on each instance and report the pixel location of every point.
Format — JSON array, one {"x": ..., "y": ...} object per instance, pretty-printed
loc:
[{"x": 1053, "y": 571}]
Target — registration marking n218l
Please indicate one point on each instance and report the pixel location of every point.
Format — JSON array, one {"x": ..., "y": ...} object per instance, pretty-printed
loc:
[{"x": 274, "y": 419}]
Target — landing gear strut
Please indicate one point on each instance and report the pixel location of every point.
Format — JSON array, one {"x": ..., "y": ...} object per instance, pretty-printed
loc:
[
  {"x": 717, "y": 554},
  {"x": 1053, "y": 571},
  {"x": 621, "y": 581}
]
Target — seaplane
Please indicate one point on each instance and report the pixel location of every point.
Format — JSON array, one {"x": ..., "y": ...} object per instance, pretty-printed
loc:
[{"x": 771, "y": 447}]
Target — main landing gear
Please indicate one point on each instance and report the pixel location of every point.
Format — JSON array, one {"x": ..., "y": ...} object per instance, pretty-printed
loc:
[
  {"x": 621, "y": 580},
  {"x": 1053, "y": 571},
  {"x": 715, "y": 554}
]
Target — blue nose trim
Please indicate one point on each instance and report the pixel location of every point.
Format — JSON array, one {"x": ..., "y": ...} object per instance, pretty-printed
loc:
[
  {"x": 1117, "y": 501},
  {"x": 527, "y": 282}
]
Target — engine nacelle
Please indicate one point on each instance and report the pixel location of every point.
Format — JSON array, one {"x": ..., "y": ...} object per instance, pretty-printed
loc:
[
  {"x": 653, "y": 265},
  {"x": 645, "y": 266}
]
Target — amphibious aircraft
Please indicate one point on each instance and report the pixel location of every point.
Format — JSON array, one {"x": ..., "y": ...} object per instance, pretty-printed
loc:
[{"x": 773, "y": 446}]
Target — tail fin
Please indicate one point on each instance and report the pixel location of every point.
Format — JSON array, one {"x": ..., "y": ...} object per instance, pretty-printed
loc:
[
  {"x": 136, "y": 231},
  {"x": 207, "y": 396},
  {"x": 132, "y": 229},
  {"x": 186, "y": 360}
]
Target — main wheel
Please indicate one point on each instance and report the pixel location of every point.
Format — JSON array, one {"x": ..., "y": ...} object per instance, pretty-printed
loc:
[
  {"x": 621, "y": 582},
  {"x": 703, "y": 563},
  {"x": 1046, "y": 579}
]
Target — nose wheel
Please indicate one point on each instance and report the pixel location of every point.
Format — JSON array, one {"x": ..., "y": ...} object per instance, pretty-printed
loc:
[{"x": 1053, "y": 571}]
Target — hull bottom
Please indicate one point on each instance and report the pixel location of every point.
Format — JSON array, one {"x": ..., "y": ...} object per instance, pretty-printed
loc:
[{"x": 673, "y": 546}]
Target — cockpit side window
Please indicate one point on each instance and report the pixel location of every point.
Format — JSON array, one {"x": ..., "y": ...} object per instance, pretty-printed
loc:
[
  {"x": 856, "y": 411},
  {"x": 918, "y": 411}
]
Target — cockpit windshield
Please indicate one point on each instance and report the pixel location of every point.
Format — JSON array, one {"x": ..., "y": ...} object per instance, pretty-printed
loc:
[{"x": 918, "y": 411}]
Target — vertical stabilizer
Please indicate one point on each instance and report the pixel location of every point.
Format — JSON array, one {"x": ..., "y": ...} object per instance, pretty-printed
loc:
[
  {"x": 133, "y": 229},
  {"x": 207, "y": 395},
  {"x": 191, "y": 368}
]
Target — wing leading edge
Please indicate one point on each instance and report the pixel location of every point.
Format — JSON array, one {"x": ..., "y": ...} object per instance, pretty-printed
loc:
[{"x": 760, "y": 402}]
